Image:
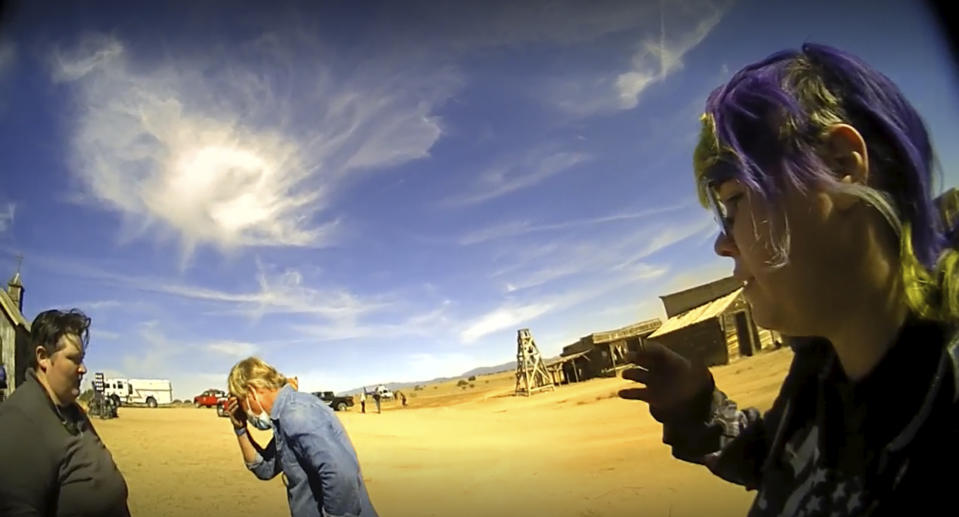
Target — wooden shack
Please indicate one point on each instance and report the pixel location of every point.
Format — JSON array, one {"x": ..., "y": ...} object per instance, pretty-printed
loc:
[
  {"x": 601, "y": 354},
  {"x": 15, "y": 353},
  {"x": 712, "y": 323}
]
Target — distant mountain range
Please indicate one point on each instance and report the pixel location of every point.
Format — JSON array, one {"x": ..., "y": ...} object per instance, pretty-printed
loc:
[{"x": 483, "y": 370}]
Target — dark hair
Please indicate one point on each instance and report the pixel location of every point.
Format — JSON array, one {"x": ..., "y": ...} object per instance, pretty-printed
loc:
[{"x": 49, "y": 326}]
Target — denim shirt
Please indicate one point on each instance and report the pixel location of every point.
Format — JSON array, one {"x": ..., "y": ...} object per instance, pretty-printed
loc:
[{"x": 312, "y": 449}]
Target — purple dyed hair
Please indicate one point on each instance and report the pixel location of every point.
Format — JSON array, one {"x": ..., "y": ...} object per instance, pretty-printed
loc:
[{"x": 763, "y": 128}]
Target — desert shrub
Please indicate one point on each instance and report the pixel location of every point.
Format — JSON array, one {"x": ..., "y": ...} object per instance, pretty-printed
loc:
[
  {"x": 471, "y": 378},
  {"x": 472, "y": 385},
  {"x": 418, "y": 387},
  {"x": 461, "y": 383}
]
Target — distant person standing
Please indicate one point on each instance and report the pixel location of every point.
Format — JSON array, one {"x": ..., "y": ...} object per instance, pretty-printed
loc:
[
  {"x": 363, "y": 401},
  {"x": 309, "y": 446},
  {"x": 403, "y": 398},
  {"x": 54, "y": 463},
  {"x": 376, "y": 398}
]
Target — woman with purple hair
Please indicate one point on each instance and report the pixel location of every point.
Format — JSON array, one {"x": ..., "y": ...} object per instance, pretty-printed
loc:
[{"x": 820, "y": 174}]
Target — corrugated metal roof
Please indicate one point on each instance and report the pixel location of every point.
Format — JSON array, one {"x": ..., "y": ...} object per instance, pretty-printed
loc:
[
  {"x": 701, "y": 313},
  {"x": 688, "y": 299},
  {"x": 570, "y": 357},
  {"x": 636, "y": 329}
]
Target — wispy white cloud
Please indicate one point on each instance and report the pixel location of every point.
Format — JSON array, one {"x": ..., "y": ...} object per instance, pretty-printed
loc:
[
  {"x": 620, "y": 255},
  {"x": 516, "y": 174},
  {"x": 93, "y": 51},
  {"x": 97, "y": 333},
  {"x": 668, "y": 236},
  {"x": 518, "y": 228},
  {"x": 156, "y": 353},
  {"x": 99, "y": 304},
  {"x": 7, "y": 213},
  {"x": 503, "y": 318},
  {"x": 681, "y": 27},
  {"x": 467, "y": 26},
  {"x": 513, "y": 314},
  {"x": 419, "y": 324},
  {"x": 220, "y": 153},
  {"x": 8, "y": 56},
  {"x": 278, "y": 292},
  {"x": 238, "y": 349}
]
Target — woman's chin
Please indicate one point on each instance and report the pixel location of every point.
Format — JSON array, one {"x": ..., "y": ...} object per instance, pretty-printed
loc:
[{"x": 760, "y": 314}]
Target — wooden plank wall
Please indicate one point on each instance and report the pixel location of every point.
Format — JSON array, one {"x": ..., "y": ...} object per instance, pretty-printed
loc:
[{"x": 767, "y": 337}]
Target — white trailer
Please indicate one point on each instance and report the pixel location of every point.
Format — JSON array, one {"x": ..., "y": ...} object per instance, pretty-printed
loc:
[{"x": 151, "y": 392}]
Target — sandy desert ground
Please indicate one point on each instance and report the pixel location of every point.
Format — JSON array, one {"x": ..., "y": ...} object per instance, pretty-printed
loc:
[{"x": 579, "y": 451}]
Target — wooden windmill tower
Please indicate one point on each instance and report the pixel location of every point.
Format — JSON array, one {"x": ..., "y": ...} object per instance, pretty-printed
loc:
[{"x": 531, "y": 373}]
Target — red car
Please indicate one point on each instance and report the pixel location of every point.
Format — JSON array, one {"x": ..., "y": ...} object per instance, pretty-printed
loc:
[{"x": 209, "y": 398}]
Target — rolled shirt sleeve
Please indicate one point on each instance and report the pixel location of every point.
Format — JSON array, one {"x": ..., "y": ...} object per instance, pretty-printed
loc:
[{"x": 265, "y": 466}]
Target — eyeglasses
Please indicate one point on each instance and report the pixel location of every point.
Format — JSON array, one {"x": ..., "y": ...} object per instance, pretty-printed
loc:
[{"x": 719, "y": 210}]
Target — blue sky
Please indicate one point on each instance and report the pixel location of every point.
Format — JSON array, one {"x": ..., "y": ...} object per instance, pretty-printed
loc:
[{"x": 386, "y": 193}]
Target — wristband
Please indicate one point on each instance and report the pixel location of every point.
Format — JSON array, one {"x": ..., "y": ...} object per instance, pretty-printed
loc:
[{"x": 240, "y": 431}]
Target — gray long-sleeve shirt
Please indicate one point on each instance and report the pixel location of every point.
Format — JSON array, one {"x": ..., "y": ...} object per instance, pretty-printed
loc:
[{"x": 54, "y": 467}]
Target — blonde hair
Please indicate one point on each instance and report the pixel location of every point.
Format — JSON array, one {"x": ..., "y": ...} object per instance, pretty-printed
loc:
[{"x": 253, "y": 371}]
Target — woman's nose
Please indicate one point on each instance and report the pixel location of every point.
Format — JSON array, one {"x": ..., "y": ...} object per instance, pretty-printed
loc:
[{"x": 725, "y": 246}]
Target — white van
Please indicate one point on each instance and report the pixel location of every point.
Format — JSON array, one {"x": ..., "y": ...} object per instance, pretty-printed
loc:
[
  {"x": 151, "y": 392},
  {"x": 384, "y": 392}
]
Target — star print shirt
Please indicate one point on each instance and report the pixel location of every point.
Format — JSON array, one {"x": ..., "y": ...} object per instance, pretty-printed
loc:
[{"x": 832, "y": 447}]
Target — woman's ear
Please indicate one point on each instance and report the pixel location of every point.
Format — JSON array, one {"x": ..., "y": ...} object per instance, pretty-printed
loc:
[
  {"x": 43, "y": 358},
  {"x": 846, "y": 154}
]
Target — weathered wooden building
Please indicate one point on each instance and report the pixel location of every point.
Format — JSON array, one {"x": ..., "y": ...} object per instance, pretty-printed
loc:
[
  {"x": 600, "y": 354},
  {"x": 713, "y": 323},
  {"x": 14, "y": 334}
]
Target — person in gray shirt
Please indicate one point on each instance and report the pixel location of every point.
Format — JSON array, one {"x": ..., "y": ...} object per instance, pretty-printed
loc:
[{"x": 54, "y": 463}]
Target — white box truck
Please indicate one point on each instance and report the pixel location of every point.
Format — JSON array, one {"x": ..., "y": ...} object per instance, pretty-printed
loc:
[{"x": 151, "y": 392}]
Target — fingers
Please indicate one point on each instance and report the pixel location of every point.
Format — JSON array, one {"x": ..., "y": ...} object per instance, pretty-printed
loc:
[
  {"x": 637, "y": 374},
  {"x": 635, "y": 394},
  {"x": 648, "y": 354}
]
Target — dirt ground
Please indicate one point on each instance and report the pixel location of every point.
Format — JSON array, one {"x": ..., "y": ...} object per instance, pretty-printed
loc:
[{"x": 578, "y": 451}]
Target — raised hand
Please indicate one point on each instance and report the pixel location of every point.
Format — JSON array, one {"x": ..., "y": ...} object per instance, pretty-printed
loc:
[
  {"x": 237, "y": 416},
  {"x": 670, "y": 379}
]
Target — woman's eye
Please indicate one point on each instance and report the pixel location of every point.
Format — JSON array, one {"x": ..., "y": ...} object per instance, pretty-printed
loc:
[{"x": 730, "y": 205}]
